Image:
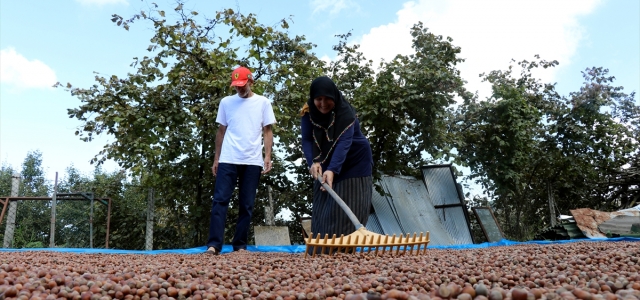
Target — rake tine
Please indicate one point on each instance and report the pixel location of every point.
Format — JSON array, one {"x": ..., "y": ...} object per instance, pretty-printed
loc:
[
  {"x": 405, "y": 244},
  {"x": 315, "y": 249},
  {"x": 413, "y": 240},
  {"x": 399, "y": 245},
  {"x": 426, "y": 241},
  {"x": 324, "y": 242},
  {"x": 414, "y": 243},
  {"x": 393, "y": 242},
  {"x": 308, "y": 241},
  {"x": 406, "y": 241},
  {"x": 333, "y": 242}
]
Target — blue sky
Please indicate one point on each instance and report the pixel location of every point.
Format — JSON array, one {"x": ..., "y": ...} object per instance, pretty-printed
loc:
[{"x": 42, "y": 42}]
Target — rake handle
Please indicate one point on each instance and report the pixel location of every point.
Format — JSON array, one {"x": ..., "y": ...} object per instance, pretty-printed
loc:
[{"x": 342, "y": 204}]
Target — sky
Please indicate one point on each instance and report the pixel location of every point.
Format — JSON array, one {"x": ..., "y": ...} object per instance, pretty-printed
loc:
[{"x": 44, "y": 42}]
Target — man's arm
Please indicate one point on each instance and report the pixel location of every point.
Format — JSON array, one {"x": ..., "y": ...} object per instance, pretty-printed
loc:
[
  {"x": 267, "y": 135},
  {"x": 219, "y": 138}
]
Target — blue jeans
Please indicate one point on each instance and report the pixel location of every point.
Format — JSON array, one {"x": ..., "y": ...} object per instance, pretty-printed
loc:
[{"x": 247, "y": 178}]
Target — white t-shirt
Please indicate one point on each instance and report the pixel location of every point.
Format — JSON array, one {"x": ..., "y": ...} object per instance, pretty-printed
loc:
[{"x": 245, "y": 119}]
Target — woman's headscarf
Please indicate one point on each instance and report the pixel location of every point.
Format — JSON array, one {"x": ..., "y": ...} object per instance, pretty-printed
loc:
[{"x": 328, "y": 128}]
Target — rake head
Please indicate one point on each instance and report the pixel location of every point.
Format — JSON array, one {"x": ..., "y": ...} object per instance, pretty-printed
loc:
[{"x": 365, "y": 241}]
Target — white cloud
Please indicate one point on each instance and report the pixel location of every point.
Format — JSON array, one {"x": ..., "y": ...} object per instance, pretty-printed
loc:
[
  {"x": 333, "y": 6},
  {"x": 20, "y": 72},
  {"x": 102, "y": 2},
  {"x": 490, "y": 33}
]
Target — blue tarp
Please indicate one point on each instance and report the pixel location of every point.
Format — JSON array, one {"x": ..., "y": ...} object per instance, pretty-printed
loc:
[{"x": 301, "y": 248}]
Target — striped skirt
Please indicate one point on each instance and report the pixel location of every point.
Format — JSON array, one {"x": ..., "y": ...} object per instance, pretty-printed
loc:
[{"x": 327, "y": 216}]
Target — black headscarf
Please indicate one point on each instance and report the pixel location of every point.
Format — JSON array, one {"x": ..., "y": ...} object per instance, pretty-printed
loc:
[{"x": 327, "y": 128}]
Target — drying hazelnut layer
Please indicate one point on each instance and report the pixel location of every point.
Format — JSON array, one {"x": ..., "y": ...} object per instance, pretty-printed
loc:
[{"x": 579, "y": 270}]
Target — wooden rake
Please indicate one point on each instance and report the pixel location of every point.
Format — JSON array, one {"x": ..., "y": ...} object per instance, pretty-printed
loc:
[{"x": 363, "y": 240}]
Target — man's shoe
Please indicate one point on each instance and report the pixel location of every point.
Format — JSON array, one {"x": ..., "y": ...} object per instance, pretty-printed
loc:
[{"x": 212, "y": 251}]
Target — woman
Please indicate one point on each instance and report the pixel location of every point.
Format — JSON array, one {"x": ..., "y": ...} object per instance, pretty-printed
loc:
[{"x": 335, "y": 149}]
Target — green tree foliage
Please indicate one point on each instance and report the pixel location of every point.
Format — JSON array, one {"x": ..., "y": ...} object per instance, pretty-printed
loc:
[
  {"x": 128, "y": 211},
  {"x": 404, "y": 107},
  {"x": 526, "y": 144},
  {"x": 162, "y": 116},
  {"x": 32, "y": 217},
  {"x": 6, "y": 171},
  {"x": 595, "y": 136}
]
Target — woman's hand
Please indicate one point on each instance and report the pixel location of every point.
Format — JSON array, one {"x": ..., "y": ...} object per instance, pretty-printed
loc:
[
  {"x": 328, "y": 178},
  {"x": 315, "y": 170}
]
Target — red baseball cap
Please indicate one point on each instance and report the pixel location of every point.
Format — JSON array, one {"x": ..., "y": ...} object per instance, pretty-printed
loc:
[{"x": 240, "y": 76}]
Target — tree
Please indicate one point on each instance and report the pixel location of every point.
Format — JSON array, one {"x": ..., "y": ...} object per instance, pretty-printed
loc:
[
  {"x": 404, "y": 107},
  {"x": 596, "y": 134},
  {"x": 32, "y": 216},
  {"x": 526, "y": 144}
]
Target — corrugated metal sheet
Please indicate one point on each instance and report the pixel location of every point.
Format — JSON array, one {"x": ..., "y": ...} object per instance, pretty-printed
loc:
[
  {"x": 441, "y": 185},
  {"x": 442, "y": 189},
  {"x": 409, "y": 209},
  {"x": 589, "y": 219},
  {"x": 622, "y": 225},
  {"x": 414, "y": 211},
  {"x": 385, "y": 214}
]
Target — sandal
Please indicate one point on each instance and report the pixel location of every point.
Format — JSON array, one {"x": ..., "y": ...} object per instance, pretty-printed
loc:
[{"x": 212, "y": 251}]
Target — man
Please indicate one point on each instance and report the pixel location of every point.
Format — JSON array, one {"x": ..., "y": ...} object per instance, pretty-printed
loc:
[{"x": 244, "y": 121}]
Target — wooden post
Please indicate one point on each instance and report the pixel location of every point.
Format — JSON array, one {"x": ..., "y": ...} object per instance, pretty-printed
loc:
[
  {"x": 268, "y": 211},
  {"x": 11, "y": 217},
  {"x": 91, "y": 221},
  {"x": 52, "y": 233},
  {"x": 149, "y": 231},
  {"x": 552, "y": 210},
  {"x": 106, "y": 239}
]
